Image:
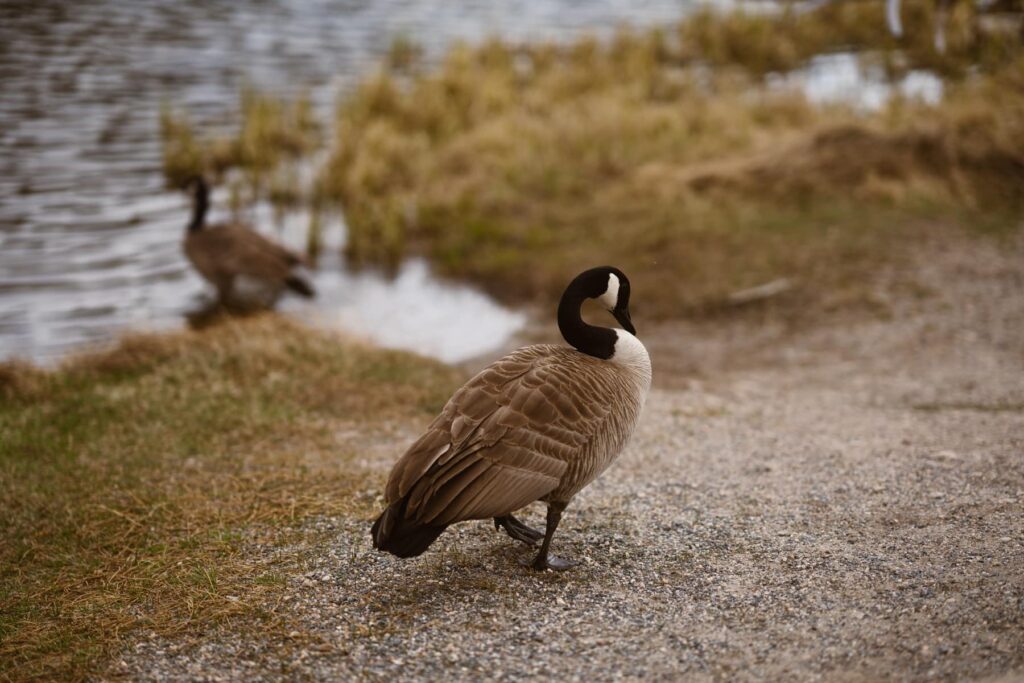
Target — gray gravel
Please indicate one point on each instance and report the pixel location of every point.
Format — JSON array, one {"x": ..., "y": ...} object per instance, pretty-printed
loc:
[{"x": 839, "y": 504}]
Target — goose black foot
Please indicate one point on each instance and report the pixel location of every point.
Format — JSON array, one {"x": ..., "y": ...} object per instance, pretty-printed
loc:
[
  {"x": 517, "y": 530},
  {"x": 549, "y": 562},
  {"x": 544, "y": 560}
]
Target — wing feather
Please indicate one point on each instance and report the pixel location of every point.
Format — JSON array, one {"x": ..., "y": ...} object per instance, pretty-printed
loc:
[
  {"x": 227, "y": 250},
  {"x": 504, "y": 439}
]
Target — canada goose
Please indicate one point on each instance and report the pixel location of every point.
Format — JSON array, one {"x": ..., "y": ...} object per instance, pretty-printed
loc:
[
  {"x": 246, "y": 268},
  {"x": 539, "y": 424}
]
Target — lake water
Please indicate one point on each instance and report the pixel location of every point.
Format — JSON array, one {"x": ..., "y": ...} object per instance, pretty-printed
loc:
[{"x": 89, "y": 237}]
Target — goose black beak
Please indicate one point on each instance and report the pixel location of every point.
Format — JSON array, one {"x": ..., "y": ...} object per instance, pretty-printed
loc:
[{"x": 622, "y": 315}]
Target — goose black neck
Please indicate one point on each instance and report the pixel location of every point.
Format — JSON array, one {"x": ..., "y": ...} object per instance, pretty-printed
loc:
[
  {"x": 590, "y": 339},
  {"x": 200, "y": 202}
]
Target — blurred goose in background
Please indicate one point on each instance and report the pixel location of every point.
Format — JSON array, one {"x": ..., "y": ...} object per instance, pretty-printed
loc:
[
  {"x": 537, "y": 425},
  {"x": 248, "y": 270}
]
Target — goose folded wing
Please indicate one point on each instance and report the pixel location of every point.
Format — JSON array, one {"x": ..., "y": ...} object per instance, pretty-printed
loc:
[
  {"x": 457, "y": 430},
  {"x": 503, "y": 441},
  {"x": 237, "y": 250},
  {"x": 274, "y": 250},
  {"x": 489, "y": 482}
]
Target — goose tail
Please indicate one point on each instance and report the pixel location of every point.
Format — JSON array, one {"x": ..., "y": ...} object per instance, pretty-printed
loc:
[
  {"x": 300, "y": 285},
  {"x": 395, "y": 534}
]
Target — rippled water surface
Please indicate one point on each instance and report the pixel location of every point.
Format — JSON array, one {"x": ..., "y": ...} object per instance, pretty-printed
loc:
[{"x": 89, "y": 238}]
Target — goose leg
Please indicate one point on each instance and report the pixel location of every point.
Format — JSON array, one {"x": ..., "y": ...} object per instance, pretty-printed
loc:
[
  {"x": 543, "y": 560},
  {"x": 517, "y": 530}
]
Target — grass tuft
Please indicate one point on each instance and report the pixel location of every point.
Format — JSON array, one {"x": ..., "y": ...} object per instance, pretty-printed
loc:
[
  {"x": 274, "y": 134},
  {"x": 134, "y": 481}
]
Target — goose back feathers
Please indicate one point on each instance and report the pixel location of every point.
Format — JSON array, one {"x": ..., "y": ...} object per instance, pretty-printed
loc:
[{"x": 539, "y": 424}]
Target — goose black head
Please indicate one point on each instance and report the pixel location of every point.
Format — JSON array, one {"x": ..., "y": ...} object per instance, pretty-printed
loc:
[
  {"x": 200, "y": 191},
  {"x": 610, "y": 287},
  {"x": 615, "y": 297}
]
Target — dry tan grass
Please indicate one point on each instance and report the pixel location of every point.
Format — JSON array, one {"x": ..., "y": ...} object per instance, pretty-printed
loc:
[
  {"x": 663, "y": 151},
  {"x": 273, "y": 134},
  {"x": 514, "y": 165},
  {"x": 763, "y": 42},
  {"x": 134, "y": 480}
]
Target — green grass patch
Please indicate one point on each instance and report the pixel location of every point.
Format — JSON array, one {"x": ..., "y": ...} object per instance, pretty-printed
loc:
[{"x": 133, "y": 481}]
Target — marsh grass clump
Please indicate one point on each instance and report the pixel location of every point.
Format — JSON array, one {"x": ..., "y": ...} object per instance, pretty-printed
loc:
[
  {"x": 404, "y": 53},
  {"x": 781, "y": 41},
  {"x": 512, "y": 165},
  {"x": 133, "y": 481},
  {"x": 274, "y": 135}
]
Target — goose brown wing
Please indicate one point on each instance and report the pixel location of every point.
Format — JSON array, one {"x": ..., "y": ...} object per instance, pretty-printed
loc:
[
  {"x": 271, "y": 249},
  {"x": 237, "y": 250},
  {"x": 503, "y": 440}
]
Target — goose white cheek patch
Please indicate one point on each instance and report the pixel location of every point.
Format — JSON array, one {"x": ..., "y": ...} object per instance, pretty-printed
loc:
[{"x": 611, "y": 295}]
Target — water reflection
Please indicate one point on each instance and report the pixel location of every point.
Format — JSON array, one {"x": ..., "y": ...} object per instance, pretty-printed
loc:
[
  {"x": 843, "y": 78},
  {"x": 413, "y": 311},
  {"x": 409, "y": 309}
]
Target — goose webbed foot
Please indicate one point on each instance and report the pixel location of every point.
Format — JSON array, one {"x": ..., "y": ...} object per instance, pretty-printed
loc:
[
  {"x": 517, "y": 530},
  {"x": 544, "y": 560},
  {"x": 548, "y": 562}
]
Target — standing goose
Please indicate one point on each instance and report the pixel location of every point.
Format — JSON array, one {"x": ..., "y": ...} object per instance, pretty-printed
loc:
[
  {"x": 539, "y": 424},
  {"x": 246, "y": 268}
]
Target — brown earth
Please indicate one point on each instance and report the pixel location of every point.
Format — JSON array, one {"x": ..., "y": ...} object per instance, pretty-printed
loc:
[{"x": 842, "y": 502}]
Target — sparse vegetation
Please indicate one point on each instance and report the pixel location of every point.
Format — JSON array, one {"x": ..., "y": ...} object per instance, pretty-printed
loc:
[
  {"x": 133, "y": 481},
  {"x": 273, "y": 136},
  {"x": 767, "y": 41},
  {"x": 404, "y": 52}
]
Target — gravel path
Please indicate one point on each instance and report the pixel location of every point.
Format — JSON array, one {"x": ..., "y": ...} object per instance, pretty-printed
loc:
[{"x": 844, "y": 504}]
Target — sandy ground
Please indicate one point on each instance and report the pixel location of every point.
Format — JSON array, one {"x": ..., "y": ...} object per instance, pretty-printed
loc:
[{"x": 840, "y": 504}]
